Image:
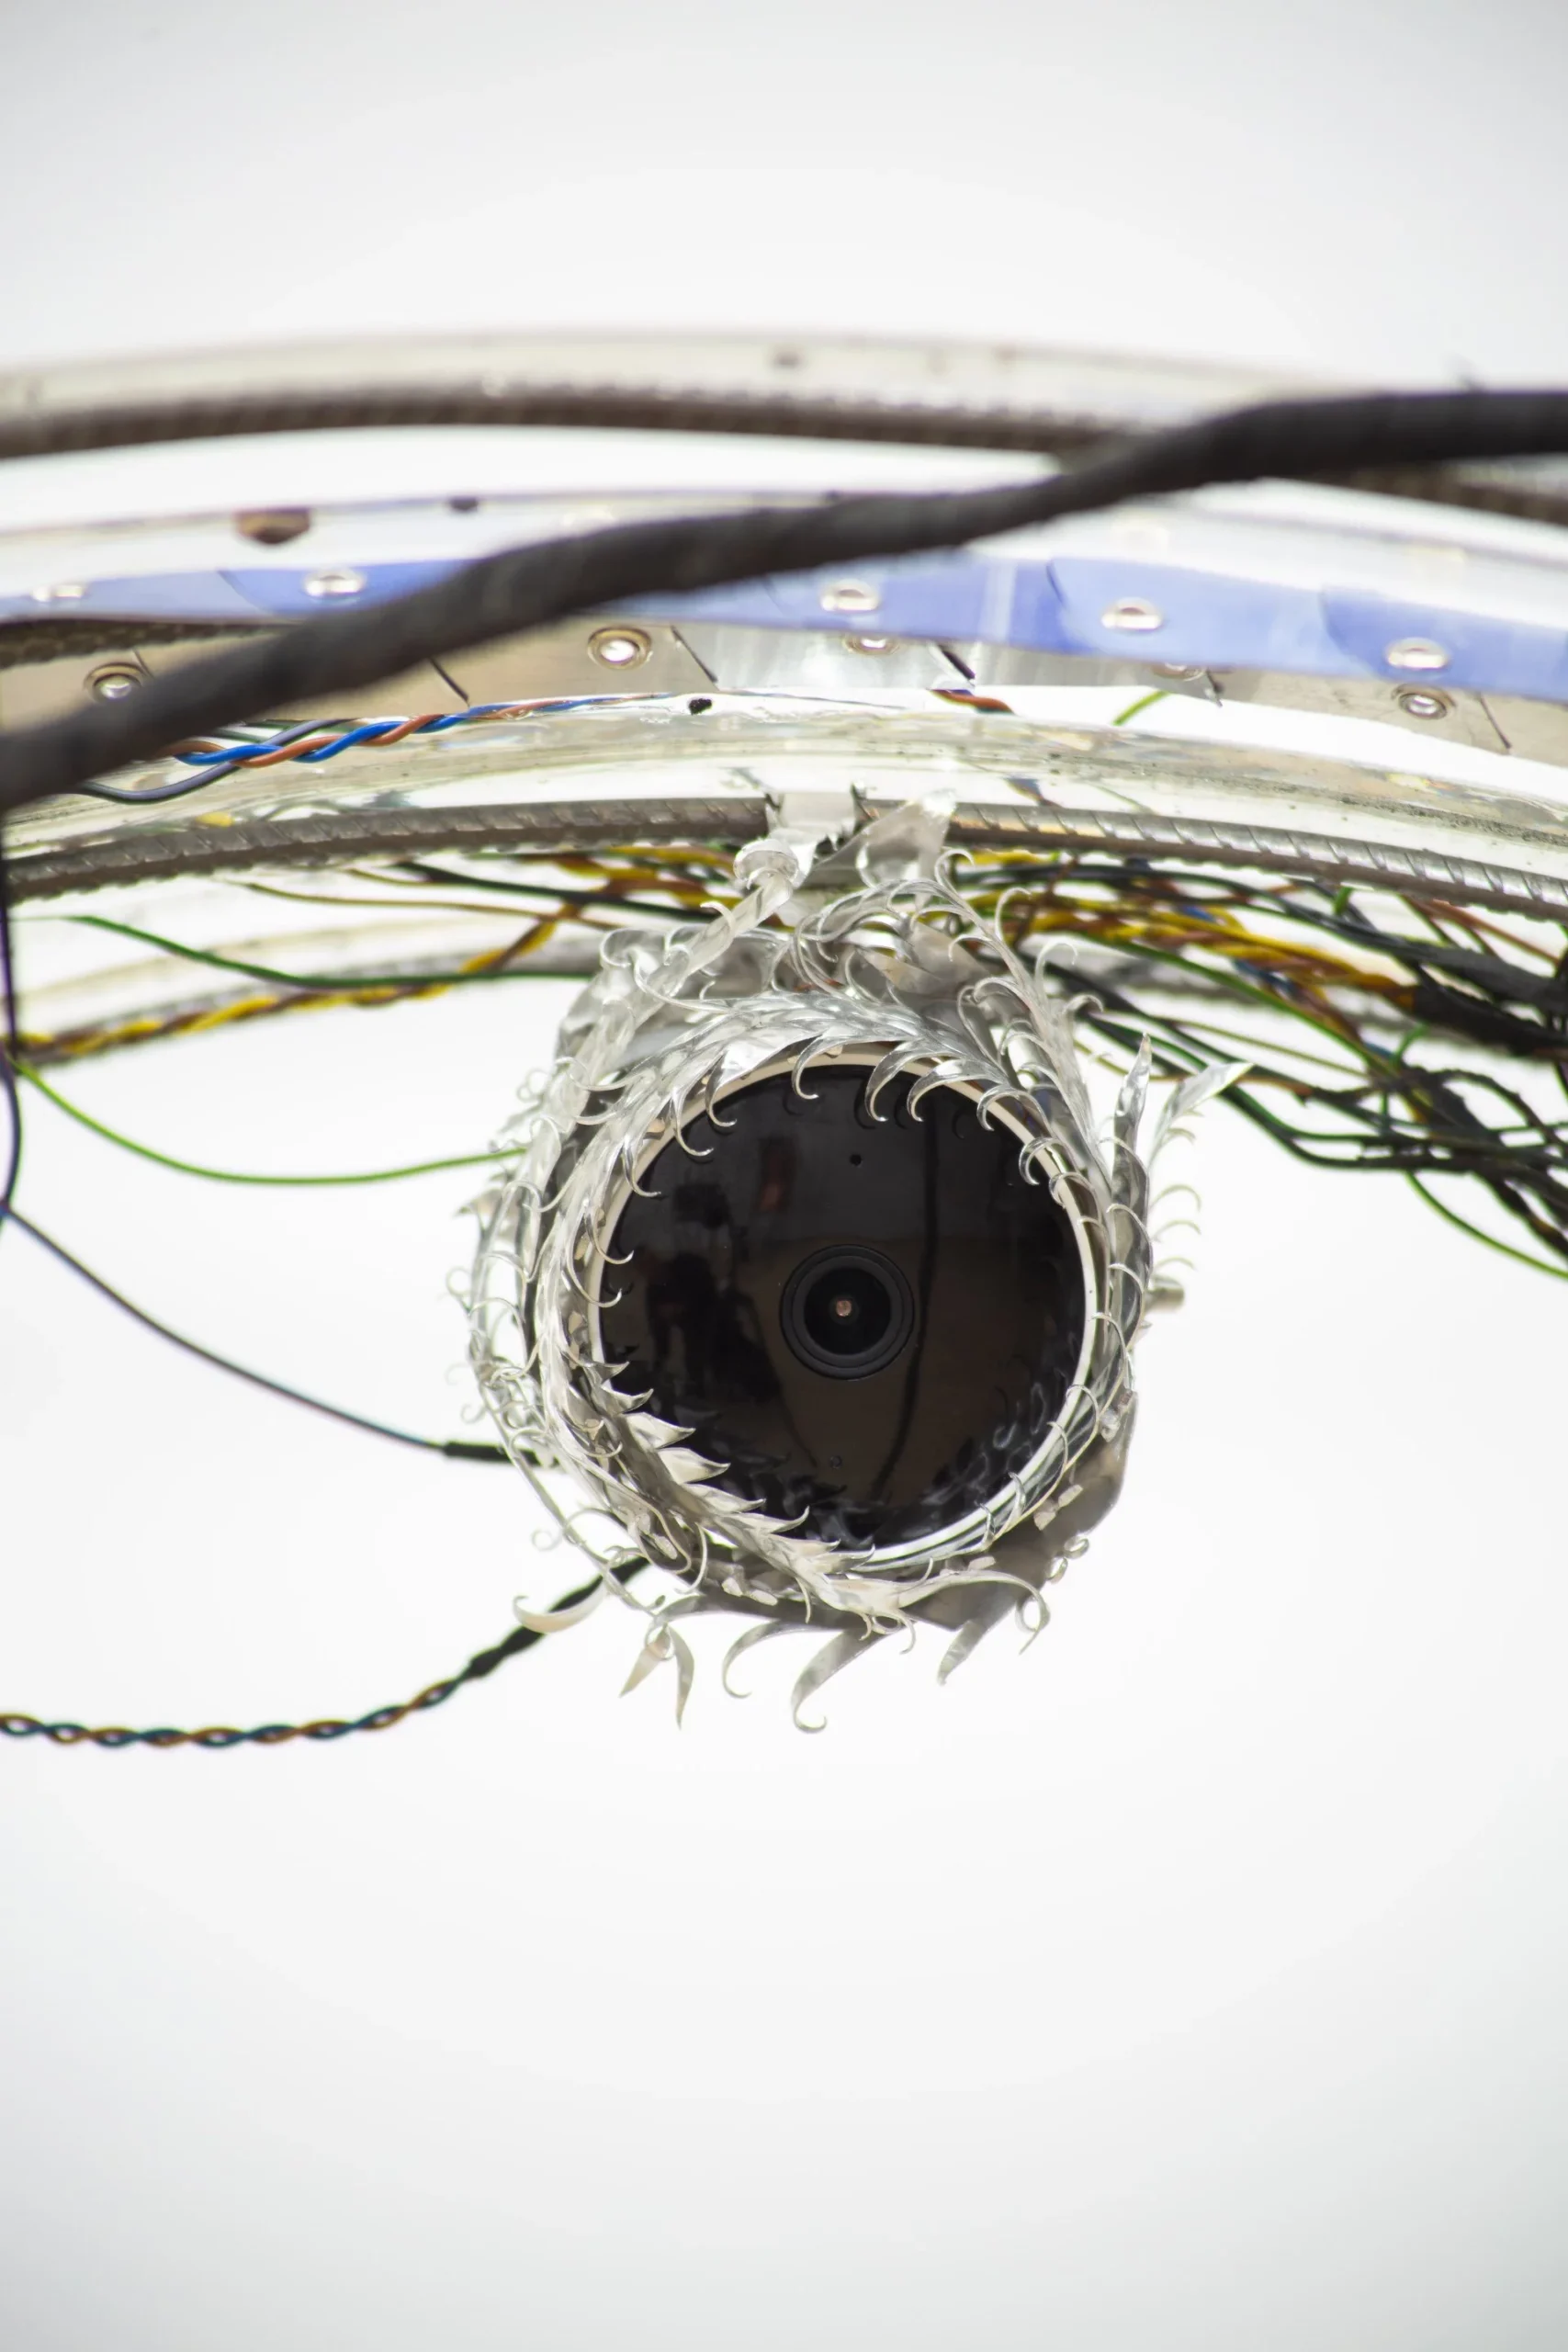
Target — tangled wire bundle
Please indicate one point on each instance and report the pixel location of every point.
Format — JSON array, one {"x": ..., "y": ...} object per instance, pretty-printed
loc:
[{"x": 1377, "y": 1031}]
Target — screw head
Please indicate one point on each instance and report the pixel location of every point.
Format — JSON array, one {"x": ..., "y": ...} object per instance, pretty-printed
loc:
[
  {"x": 272, "y": 527},
  {"x": 850, "y": 596},
  {"x": 1134, "y": 613},
  {"x": 61, "y": 591},
  {"x": 620, "y": 649},
  {"x": 1423, "y": 702},
  {"x": 340, "y": 583},
  {"x": 1417, "y": 653},
  {"x": 113, "y": 681},
  {"x": 868, "y": 644}
]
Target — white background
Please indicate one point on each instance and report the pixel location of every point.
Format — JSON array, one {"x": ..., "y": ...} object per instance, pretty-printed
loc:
[{"x": 1193, "y": 1982}]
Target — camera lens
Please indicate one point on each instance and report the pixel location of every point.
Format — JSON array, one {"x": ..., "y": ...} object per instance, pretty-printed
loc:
[
  {"x": 867, "y": 1323},
  {"x": 848, "y": 1312}
]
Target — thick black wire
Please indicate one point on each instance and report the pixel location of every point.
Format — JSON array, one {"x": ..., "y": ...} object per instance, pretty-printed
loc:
[
  {"x": 124, "y": 422},
  {"x": 456, "y": 1449},
  {"x": 523, "y": 588}
]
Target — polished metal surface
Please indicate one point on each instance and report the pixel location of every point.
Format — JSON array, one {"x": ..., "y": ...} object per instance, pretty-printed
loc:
[{"x": 657, "y": 770}]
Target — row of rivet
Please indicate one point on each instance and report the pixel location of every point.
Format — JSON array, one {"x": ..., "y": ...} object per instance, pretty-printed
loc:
[
  {"x": 1134, "y": 616},
  {"x": 626, "y": 649}
]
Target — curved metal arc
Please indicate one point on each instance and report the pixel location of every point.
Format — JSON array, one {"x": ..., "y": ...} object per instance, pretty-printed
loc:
[
  {"x": 941, "y": 394},
  {"x": 1219, "y": 804}
]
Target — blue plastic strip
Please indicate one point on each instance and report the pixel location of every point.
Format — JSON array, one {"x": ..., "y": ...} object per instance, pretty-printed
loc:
[
  {"x": 1493, "y": 656},
  {"x": 1205, "y": 620},
  {"x": 175, "y": 595},
  {"x": 1069, "y": 605}
]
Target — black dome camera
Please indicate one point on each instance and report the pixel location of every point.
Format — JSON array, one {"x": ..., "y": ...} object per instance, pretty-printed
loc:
[
  {"x": 866, "y": 1318},
  {"x": 815, "y": 1285}
]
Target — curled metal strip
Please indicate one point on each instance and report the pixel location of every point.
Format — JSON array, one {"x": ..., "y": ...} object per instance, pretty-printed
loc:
[{"x": 872, "y": 977}]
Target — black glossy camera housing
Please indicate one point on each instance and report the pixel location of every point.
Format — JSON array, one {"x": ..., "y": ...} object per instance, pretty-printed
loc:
[{"x": 867, "y": 1318}]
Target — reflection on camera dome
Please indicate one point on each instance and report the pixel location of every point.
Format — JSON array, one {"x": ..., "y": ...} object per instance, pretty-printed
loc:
[{"x": 867, "y": 1323}]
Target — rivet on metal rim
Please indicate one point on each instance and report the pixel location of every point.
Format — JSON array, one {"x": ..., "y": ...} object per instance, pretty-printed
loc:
[
  {"x": 1423, "y": 702},
  {"x": 1174, "y": 669},
  {"x": 850, "y": 596},
  {"x": 1417, "y": 653},
  {"x": 272, "y": 527},
  {"x": 114, "y": 680},
  {"x": 868, "y": 645},
  {"x": 335, "y": 583},
  {"x": 620, "y": 649},
  {"x": 1132, "y": 612}
]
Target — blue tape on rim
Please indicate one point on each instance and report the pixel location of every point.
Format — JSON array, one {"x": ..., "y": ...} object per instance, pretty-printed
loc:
[
  {"x": 1194, "y": 618},
  {"x": 956, "y": 595},
  {"x": 1103, "y": 608},
  {"x": 174, "y": 595},
  {"x": 1388, "y": 640}
]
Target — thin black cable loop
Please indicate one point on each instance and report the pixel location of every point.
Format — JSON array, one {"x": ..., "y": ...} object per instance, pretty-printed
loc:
[
  {"x": 8, "y": 1047},
  {"x": 183, "y": 786},
  {"x": 14, "y": 1150},
  {"x": 456, "y": 1449},
  {"x": 525, "y": 588},
  {"x": 8, "y": 963}
]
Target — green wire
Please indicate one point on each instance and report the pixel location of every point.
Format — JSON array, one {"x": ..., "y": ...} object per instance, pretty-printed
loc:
[
  {"x": 1477, "y": 1233},
  {"x": 338, "y": 983},
  {"x": 234, "y": 1176},
  {"x": 1142, "y": 704},
  {"x": 1228, "y": 982}
]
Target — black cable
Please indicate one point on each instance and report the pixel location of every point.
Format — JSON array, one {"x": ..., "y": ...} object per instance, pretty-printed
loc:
[
  {"x": 221, "y": 1735},
  {"x": 14, "y": 1150},
  {"x": 30, "y": 429},
  {"x": 1494, "y": 975},
  {"x": 525, "y": 588},
  {"x": 185, "y": 784},
  {"x": 1443, "y": 1135},
  {"x": 9, "y": 1045},
  {"x": 8, "y": 963},
  {"x": 593, "y": 899},
  {"x": 457, "y": 1449}
]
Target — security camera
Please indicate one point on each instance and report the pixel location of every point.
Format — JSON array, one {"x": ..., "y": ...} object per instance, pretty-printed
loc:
[{"x": 814, "y": 1285}]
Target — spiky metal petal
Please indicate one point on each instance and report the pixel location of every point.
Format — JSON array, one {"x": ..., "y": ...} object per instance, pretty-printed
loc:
[{"x": 886, "y": 966}]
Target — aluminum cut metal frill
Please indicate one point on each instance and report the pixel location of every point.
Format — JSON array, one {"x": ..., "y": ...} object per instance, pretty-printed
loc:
[{"x": 880, "y": 964}]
